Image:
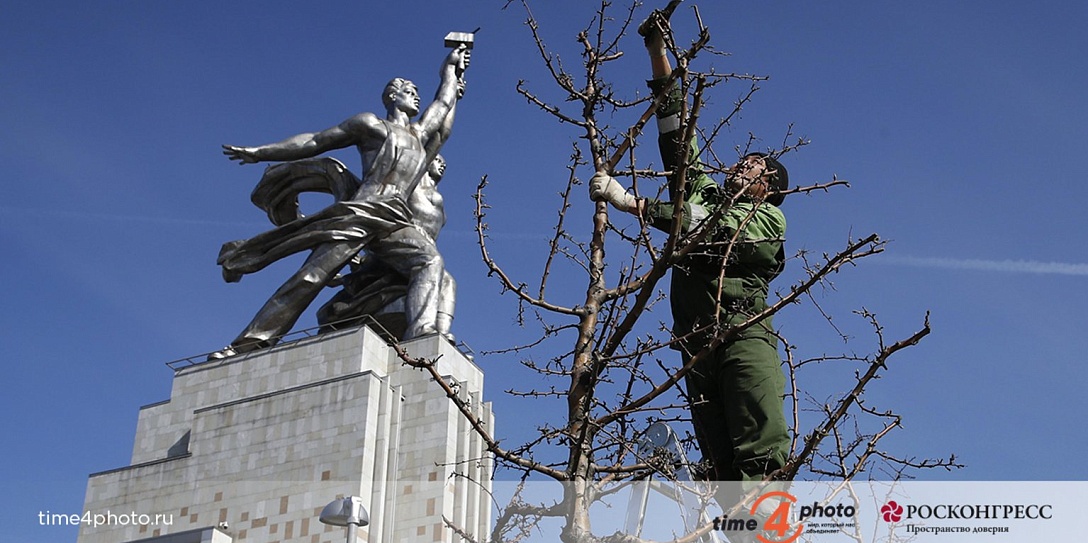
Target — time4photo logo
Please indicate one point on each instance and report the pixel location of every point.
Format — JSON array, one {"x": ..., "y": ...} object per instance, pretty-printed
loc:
[{"x": 777, "y": 526}]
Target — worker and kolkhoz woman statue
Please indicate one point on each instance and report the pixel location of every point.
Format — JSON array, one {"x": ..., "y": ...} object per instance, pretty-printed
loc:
[{"x": 382, "y": 227}]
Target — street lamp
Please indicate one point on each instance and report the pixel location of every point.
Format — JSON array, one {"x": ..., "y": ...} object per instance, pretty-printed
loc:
[{"x": 346, "y": 512}]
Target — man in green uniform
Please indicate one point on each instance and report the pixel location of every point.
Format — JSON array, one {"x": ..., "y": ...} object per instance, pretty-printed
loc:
[{"x": 736, "y": 389}]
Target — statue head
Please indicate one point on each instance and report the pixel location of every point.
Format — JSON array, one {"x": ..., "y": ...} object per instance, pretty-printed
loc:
[
  {"x": 401, "y": 94},
  {"x": 437, "y": 168}
]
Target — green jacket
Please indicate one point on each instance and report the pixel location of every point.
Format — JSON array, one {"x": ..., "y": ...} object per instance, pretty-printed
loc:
[{"x": 756, "y": 258}]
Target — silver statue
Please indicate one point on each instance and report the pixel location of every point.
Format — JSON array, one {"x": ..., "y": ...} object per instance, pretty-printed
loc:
[
  {"x": 376, "y": 290},
  {"x": 372, "y": 213}
]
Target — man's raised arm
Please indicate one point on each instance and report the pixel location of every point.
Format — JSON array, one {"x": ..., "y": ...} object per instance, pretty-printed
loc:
[{"x": 434, "y": 117}]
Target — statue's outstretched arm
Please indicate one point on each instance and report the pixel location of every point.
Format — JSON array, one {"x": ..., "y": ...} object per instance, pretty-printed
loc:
[{"x": 347, "y": 133}]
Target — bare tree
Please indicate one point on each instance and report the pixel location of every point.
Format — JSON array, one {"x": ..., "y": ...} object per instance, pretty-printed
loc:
[{"x": 606, "y": 352}]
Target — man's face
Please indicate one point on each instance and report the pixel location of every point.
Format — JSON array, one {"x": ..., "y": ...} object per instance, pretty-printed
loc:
[
  {"x": 406, "y": 99},
  {"x": 751, "y": 173},
  {"x": 750, "y": 167}
]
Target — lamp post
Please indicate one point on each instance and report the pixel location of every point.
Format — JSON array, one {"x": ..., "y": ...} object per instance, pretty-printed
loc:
[{"x": 348, "y": 512}]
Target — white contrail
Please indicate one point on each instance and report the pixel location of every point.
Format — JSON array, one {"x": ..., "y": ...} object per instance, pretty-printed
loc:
[{"x": 1008, "y": 266}]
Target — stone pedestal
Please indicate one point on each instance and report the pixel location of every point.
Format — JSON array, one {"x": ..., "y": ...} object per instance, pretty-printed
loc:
[{"x": 251, "y": 448}]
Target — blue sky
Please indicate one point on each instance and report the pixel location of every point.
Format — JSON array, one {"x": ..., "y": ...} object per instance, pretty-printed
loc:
[{"x": 960, "y": 125}]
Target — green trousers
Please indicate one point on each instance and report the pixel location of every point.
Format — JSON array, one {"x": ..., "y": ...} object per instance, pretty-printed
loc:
[{"x": 737, "y": 412}]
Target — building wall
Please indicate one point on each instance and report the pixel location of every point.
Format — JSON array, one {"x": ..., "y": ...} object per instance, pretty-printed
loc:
[{"x": 259, "y": 443}]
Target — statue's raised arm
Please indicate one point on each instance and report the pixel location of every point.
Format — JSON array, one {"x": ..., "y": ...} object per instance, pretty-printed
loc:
[{"x": 450, "y": 87}]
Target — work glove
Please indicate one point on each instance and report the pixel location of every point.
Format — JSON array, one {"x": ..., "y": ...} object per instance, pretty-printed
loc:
[
  {"x": 651, "y": 35},
  {"x": 603, "y": 187}
]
